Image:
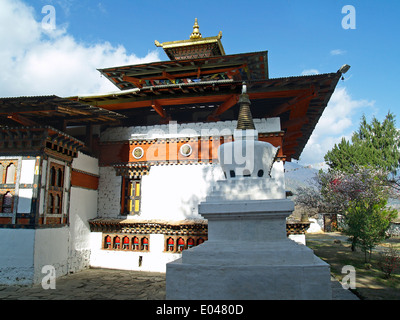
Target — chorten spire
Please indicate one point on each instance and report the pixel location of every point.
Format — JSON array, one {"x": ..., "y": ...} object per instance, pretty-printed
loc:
[
  {"x": 196, "y": 32},
  {"x": 245, "y": 119}
]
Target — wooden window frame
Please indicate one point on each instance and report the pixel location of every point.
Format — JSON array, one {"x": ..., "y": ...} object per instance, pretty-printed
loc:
[
  {"x": 55, "y": 189},
  {"x": 185, "y": 238},
  {"x": 2, "y": 202},
  {"x": 129, "y": 247},
  {"x": 131, "y": 196},
  {"x": 7, "y": 187}
]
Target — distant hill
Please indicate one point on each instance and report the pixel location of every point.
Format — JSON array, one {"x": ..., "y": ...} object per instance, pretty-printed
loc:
[{"x": 298, "y": 176}]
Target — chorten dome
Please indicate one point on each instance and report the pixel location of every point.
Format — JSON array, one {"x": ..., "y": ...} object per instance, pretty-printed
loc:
[{"x": 246, "y": 156}]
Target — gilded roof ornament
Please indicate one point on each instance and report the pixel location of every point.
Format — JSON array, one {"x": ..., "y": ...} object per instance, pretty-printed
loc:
[
  {"x": 196, "y": 32},
  {"x": 195, "y": 47}
]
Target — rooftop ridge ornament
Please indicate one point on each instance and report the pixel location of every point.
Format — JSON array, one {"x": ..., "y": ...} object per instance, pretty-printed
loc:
[
  {"x": 195, "y": 47},
  {"x": 245, "y": 119},
  {"x": 196, "y": 31}
]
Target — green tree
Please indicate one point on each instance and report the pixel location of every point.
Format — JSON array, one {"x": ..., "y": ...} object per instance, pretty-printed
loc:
[
  {"x": 367, "y": 223},
  {"x": 375, "y": 144},
  {"x": 342, "y": 156}
]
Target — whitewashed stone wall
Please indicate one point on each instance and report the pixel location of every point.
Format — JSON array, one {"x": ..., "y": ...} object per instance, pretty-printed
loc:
[
  {"x": 51, "y": 248},
  {"x": 16, "y": 256},
  {"x": 109, "y": 200},
  {"x": 154, "y": 261},
  {"x": 173, "y": 192},
  {"x": 83, "y": 207}
]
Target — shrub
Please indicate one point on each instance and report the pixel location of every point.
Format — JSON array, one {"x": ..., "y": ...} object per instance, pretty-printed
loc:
[{"x": 389, "y": 261}]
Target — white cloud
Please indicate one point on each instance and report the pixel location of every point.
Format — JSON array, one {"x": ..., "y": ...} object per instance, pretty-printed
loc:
[
  {"x": 101, "y": 7},
  {"x": 340, "y": 119},
  {"x": 309, "y": 72},
  {"x": 35, "y": 61},
  {"x": 337, "y": 52}
]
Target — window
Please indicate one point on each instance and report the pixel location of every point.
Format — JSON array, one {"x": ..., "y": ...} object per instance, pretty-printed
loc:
[
  {"x": 51, "y": 204},
  {"x": 1, "y": 173},
  {"x": 7, "y": 203},
  {"x": 123, "y": 242},
  {"x": 170, "y": 244},
  {"x": 8, "y": 171},
  {"x": 135, "y": 245},
  {"x": 107, "y": 242},
  {"x": 55, "y": 189},
  {"x": 131, "y": 195},
  {"x": 10, "y": 174},
  {"x": 57, "y": 204},
  {"x": 117, "y": 242},
  {"x": 190, "y": 243},
  {"x": 60, "y": 176},
  {"x": 145, "y": 244},
  {"x": 176, "y": 244},
  {"x": 181, "y": 244}
]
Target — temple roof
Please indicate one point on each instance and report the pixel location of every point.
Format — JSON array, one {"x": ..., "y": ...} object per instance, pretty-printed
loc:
[
  {"x": 195, "y": 47},
  {"x": 34, "y": 140},
  {"x": 298, "y": 101},
  {"x": 240, "y": 67},
  {"x": 52, "y": 111}
]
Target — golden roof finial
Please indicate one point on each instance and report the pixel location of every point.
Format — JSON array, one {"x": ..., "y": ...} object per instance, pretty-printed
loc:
[{"x": 196, "y": 32}]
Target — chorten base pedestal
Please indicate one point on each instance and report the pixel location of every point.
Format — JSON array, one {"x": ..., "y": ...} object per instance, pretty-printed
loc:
[{"x": 248, "y": 256}]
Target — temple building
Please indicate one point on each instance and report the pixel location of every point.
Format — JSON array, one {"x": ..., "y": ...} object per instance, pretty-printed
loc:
[{"x": 114, "y": 180}]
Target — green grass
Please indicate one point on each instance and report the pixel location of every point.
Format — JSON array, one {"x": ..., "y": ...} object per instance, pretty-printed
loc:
[{"x": 370, "y": 282}]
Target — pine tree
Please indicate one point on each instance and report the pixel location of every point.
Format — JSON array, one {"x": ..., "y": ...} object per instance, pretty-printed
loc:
[
  {"x": 375, "y": 144},
  {"x": 342, "y": 156}
]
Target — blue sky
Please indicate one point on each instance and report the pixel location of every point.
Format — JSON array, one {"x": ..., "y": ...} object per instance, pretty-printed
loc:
[{"x": 302, "y": 37}]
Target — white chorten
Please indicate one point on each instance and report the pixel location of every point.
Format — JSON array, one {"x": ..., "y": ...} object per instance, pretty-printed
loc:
[{"x": 248, "y": 254}]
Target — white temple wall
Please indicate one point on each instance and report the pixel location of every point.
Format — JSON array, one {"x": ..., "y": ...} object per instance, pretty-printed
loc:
[
  {"x": 109, "y": 200},
  {"x": 169, "y": 192},
  {"x": 173, "y": 192},
  {"x": 83, "y": 207},
  {"x": 16, "y": 252},
  {"x": 86, "y": 163},
  {"x": 25, "y": 195},
  {"x": 153, "y": 261},
  {"x": 51, "y": 248}
]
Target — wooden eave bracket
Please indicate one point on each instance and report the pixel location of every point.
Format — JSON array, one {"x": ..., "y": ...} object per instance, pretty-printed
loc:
[
  {"x": 288, "y": 124},
  {"x": 22, "y": 120},
  {"x": 311, "y": 93},
  {"x": 158, "y": 108},
  {"x": 226, "y": 105}
]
